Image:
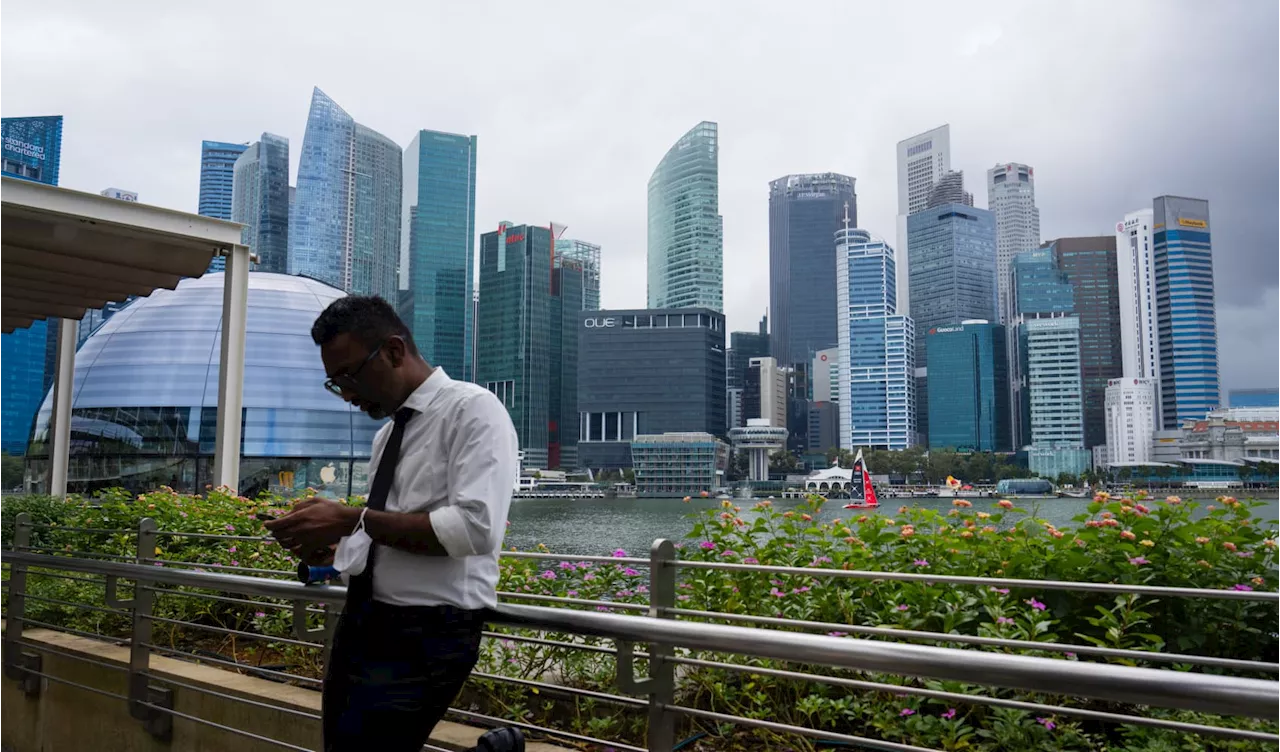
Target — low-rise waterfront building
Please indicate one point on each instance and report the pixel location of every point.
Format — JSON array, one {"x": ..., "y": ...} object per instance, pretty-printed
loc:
[
  {"x": 678, "y": 464},
  {"x": 758, "y": 440}
]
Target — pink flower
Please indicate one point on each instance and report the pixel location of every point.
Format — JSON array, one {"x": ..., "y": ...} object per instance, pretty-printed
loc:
[
  {"x": 1142, "y": 508},
  {"x": 750, "y": 560},
  {"x": 629, "y": 572},
  {"x": 837, "y": 634},
  {"x": 1245, "y": 554},
  {"x": 566, "y": 565},
  {"x": 1242, "y": 588},
  {"x": 1080, "y": 543},
  {"x": 1047, "y": 723},
  {"x": 682, "y": 597},
  {"x": 231, "y": 550},
  {"x": 235, "y": 563},
  {"x": 906, "y": 712},
  {"x": 1138, "y": 561},
  {"x": 1111, "y": 523},
  {"x": 548, "y": 575},
  {"x": 706, "y": 545},
  {"x": 1037, "y": 605},
  {"x": 1127, "y": 534},
  {"x": 231, "y": 528},
  {"x": 1001, "y": 591},
  {"x": 921, "y": 562},
  {"x": 903, "y": 607},
  {"x": 803, "y": 589},
  {"x": 571, "y": 593},
  {"x": 951, "y": 713},
  {"x": 588, "y": 577},
  {"x": 818, "y": 560},
  {"x": 1004, "y": 620},
  {"x": 776, "y": 593},
  {"x": 619, "y": 554}
]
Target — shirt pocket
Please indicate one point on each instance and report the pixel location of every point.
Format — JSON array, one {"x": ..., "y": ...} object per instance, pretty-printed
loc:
[{"x": 422, "y": 484}]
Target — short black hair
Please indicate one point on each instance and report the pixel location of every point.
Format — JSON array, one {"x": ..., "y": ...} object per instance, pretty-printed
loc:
[{"x": 367, "y": 318}]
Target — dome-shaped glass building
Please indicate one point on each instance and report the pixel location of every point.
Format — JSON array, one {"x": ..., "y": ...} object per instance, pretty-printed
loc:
[{"x": 144, "y": 400}]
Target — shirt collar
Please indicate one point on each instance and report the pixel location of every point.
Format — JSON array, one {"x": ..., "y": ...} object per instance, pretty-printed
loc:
[{"x": 421, "y": 397}]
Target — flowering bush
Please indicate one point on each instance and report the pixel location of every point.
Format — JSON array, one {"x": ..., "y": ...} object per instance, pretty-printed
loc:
[{"x": 1166, "y": 542}]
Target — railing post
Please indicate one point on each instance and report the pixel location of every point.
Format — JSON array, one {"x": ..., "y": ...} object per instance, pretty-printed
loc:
[
  {"x": 661, "y": 684},
  {"x": 13, "y": 660},
  {"x": 140, "y": 638}
]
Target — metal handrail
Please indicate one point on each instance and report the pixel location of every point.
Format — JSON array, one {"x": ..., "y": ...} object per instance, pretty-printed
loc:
[{"x": 1130, "y": 685}]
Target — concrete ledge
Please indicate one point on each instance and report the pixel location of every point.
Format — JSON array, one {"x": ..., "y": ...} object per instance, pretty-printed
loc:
[{"x": 64, "y": 716}]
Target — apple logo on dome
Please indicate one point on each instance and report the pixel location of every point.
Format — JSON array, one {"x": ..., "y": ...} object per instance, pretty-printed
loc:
[{"x": 328, "y": 474}]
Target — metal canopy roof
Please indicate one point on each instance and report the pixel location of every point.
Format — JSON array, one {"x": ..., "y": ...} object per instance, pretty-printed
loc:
[{"x": 63, "y": 252}]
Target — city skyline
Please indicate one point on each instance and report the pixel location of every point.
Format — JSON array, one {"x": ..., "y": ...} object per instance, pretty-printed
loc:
[{"x": 1089, "y": 174}]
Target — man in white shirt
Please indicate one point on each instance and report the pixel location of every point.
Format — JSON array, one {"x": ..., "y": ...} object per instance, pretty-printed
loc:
[{"x": 437, "y": 510}]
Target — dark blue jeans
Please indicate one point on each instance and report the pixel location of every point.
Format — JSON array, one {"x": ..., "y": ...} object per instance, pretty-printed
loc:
[{"x": 392, "y": 673}]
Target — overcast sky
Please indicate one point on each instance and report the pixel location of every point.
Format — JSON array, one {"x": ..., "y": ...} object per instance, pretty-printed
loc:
[{"x": 1112, "y": 103}]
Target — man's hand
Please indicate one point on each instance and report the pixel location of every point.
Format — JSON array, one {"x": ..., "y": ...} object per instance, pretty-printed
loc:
[{"x": 313, "y": 526}]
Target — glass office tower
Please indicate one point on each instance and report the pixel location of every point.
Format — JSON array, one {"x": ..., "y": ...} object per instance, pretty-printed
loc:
[
  {"x": 437, "y": 247},
  {"x": 31, "y": 150},
  {"x": 805, "y": 211},
  {"x": 1189, "y": 385},
  {"x": 513, "y": 330},
  {"x": 969, "y": 399},
  {"x": 686, "y": 231},
  {"x": 346, "y": 217},
  {"x": 260, "y": 201},
  {"x": 588, "y": 256}
]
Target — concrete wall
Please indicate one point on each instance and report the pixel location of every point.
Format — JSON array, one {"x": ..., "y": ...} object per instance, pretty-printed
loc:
[{"x": 66, "y": 717}]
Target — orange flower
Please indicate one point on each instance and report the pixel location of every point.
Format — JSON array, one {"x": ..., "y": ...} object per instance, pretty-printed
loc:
[
  {"x": 1127, "y": 535},
  {"x": 1229, "y": 546},
  {"x": 962, "y": 503},
  {"x": 1201, "y": 539},
  {"x": 806, "y": 518},
  {"x": 862, "y": 518},
  {"x": 1148, "y": 543},
  {"x": 988, "y": 529},
  {"x": 908, "y": 531},
  {"x": 1005, "y": 503},
  {"x": 1204, "y": 564},
  {"x": 1056, "y": 533},
  {"x": 983, "y": 515},
  {"x": 966, "y": 534}
]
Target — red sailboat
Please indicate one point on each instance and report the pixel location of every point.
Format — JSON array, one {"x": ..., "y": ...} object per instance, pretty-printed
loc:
[{"x": 860, "y": 488}]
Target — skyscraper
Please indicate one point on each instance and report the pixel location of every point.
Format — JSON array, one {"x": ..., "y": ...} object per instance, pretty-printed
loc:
[
  {"x": 1054, "y": 409},
  {"x": 922, "y": 161},
  {"x": 1039, "y": 289},
  {"x": 1131, "y": 420},
  {"x": 805, "y": 211},
  {"x": 588, "y": 255},
  {"x": 513, "y": 331},
  {"x": 950, "y": 190},
  {"x": 1090, "y": 266},
  {"x": 743, "y": 346},
  {"x": 764, "y": 392},
  {"x": 686, "y": 231},
  {"x": 30, "y": 149},
  {"x": 567, "y": 281},
  {"x": 260, "y": 201},
  {"x": 437, "y": 247},
  {"x": 1136, "y": 280},
  {"x": 217, "y": 175},
  {"x": 952, "y": 278},
  {"x": 346, "y": 220},
  {"x": 877, "y": 347},
  {"x": 1185, "y": 317},
  {"x": 969, "y": 407},
  {"x": 1011, "y": 197}
]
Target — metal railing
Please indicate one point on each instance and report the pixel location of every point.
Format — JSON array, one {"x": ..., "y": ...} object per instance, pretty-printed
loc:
[{"x": 675, "y": 646}]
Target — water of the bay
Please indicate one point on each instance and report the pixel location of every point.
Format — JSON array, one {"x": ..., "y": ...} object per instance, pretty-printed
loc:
[{"x": 600, "y": 526}]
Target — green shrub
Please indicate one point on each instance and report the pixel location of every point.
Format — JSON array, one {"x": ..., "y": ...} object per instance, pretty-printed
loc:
[{"x": 1168, "y": 542}]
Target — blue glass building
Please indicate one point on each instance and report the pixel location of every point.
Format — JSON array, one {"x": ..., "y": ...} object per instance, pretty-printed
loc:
[
  {"x": 437, "y": 247},
  {"x": 217, "y": 178},
  {"x": 1254, "y": 397},
  {"x": 1189, "y": 386},
  {"x": 877, "y": 347},
  {"x": 144, "y": 406},
  {"x": 260, "y": 201},
  {"x": 31, "y": 149},
  {"x": 686, "y": 231},
  {"x": 345, "y": 228},
  {"x": 969, "y": 401},
  {"x": 805, "y": 211}
]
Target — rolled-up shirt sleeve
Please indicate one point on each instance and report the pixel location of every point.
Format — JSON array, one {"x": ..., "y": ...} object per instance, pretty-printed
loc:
[{"x": 482, "y": 474}]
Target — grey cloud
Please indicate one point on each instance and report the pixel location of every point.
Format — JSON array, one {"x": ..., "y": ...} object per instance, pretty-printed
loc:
[{"x": 575, "y": 102}]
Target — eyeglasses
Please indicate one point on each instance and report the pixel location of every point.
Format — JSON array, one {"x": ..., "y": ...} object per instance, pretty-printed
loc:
[{"x": 344, "y": 381}]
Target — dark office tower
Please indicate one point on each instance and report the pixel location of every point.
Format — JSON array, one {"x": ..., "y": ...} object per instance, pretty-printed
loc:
[
  {"x": 513, "y": 332},
  {"x": 1090, "y": 266},
  {"x": 260, "y": 201},
  {"x": 621, "y": 394},
  {"x": 568, "y": 279},
  {"x": 743, "y": 346},
  {"x": 805, "y": 211},
  {"x": 969, "y": 409},
  {"x": 437, "y": 247},
  {"x": 217, "y": 170}
]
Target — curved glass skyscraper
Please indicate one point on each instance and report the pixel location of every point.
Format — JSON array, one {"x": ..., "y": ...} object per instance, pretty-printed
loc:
[
  {"x": 686, "y": 231},
  {"x": 346, "y": 218}
]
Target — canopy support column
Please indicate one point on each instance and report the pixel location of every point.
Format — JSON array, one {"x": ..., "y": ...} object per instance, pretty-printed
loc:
[
  {"x": 63, "y": 385},
  {"x": 235, "y": 299}
]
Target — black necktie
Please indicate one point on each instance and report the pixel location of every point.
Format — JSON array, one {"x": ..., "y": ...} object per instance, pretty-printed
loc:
[{"x": 360, "y": 587}]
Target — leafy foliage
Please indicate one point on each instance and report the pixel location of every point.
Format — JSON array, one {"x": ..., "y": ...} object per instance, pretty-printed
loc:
[{"x": 1134, "y": 541}]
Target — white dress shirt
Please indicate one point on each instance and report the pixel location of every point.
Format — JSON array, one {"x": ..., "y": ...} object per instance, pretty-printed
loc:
[{"x": 458, "y": 464}]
